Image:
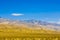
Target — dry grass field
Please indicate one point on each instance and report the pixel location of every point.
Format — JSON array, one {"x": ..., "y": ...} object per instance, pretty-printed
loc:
[{"x": 13, "y": 32}]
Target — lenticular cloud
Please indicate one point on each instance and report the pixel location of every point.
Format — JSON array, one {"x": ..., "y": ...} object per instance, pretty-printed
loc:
[{"x": 17, "y": 14}]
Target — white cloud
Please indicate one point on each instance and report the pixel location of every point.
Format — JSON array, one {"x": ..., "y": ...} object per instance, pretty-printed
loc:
[{"x": 17, "y": 14}]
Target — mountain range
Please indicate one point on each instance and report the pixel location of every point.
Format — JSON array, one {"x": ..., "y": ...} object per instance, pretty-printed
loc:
[{"x": 33, "y": 24}]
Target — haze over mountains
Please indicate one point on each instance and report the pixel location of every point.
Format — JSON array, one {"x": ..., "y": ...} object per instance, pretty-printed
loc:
[{"x": 34, "y": 24}]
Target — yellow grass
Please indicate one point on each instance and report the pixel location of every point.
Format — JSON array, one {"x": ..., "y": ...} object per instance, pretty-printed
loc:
[{"x": 13, "y": 32}]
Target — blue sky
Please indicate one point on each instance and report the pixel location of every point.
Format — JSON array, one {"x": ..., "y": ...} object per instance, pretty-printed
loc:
[{"x": 47, "y": 10}]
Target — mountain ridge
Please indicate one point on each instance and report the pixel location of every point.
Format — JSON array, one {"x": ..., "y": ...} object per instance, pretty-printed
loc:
[{"x": 34, "y": 24}]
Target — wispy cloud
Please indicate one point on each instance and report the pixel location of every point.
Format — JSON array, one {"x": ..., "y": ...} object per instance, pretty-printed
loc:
[{"x": 17, "y": 14}]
